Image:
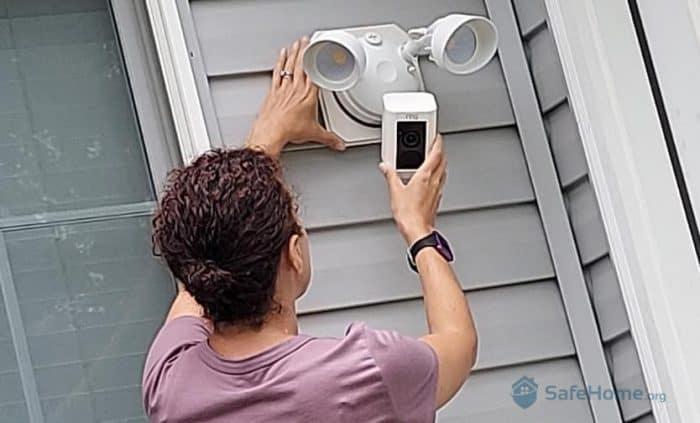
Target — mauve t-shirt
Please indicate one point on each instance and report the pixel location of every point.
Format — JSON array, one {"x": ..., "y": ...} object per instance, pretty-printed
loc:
[{"x": 366, "y": 376}]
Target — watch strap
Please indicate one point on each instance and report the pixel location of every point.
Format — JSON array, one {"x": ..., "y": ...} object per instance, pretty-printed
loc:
[{"x": 430, "y": 240}]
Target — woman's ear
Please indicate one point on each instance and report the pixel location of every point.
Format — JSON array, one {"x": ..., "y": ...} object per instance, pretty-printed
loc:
[{"x": 295, "y": 253}]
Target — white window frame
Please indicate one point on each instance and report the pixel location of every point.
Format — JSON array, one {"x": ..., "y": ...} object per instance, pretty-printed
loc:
[
  {"x": 672, "y": 30},
  {"x": 642, "y": 211},
  {"x": 185, "y": 104}
]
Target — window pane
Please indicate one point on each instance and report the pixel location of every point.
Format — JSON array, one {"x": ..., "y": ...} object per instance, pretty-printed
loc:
[
  {"x": 12, "y": 405},
  {"x": 68, "y": 137},
  {"x": 91, "y": 298}
]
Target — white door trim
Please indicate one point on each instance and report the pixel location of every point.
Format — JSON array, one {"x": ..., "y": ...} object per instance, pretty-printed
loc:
[
  {"x": 630, "y": 170},
  {"x": 179, "y": 78}
]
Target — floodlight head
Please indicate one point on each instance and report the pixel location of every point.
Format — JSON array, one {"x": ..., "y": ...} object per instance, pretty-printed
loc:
[
  {"x": 356, "y": 66},
  {"x": 462, "y": 44},
  {"x": 334, "y": 60}
]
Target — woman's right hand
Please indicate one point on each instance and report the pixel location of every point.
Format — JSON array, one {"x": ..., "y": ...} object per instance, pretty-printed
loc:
[{"x": 415, "y": 204}]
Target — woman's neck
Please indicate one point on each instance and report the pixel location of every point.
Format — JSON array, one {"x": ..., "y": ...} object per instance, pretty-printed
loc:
[{"x": 236, "y": 342}]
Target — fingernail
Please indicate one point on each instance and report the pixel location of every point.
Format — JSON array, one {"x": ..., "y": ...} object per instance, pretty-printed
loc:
[
  {"x": 296, "y": 44},
  {"x": 284, "y": 50},
  {"x": 305, "y": 38},
  {"x": 341, "y": 146}
]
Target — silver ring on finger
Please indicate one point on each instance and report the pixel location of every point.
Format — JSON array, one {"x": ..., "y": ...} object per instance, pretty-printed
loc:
[{"x": 286, "y": 74}]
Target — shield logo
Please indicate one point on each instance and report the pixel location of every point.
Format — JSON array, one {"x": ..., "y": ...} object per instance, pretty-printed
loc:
[{"x": 524, "y": 392}]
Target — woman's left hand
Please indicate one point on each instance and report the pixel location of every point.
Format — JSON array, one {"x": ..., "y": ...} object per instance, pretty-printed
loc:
[{"x": 289, "y": 113}]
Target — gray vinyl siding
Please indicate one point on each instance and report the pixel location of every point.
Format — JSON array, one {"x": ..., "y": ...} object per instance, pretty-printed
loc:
[
  {"x": 489, "y": 209},
  {"x": 582, "y": 207}
]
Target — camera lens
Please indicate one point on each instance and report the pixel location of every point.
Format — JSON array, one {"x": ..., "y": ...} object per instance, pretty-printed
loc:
[
  {"x": 410, "y": 143},
  {"x": 410, "y": 139}
]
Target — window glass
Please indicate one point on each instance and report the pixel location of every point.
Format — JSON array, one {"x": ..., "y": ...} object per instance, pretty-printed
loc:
[
  {"x": 68, "y": 137},
  {"x": 91, "y": 297},
  {"x": 90, "y": 294},
  {"x": 12, "y": 404}
]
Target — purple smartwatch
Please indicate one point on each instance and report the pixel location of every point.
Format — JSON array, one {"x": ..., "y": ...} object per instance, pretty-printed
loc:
[{"x": 434, "y": 240}]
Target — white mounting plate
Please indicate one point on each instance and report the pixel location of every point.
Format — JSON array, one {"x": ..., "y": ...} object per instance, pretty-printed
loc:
[{"x": 335, "y": 118}]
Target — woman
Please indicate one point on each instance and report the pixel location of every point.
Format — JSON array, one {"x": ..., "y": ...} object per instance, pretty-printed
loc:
[{"x": 230, "y": 350}]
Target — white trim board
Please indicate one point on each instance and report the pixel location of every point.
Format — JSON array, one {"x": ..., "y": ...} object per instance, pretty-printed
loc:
[
  {"x": 631, "y": 173},
  {"x": 672, "y": 32},
  {"x": 179, "y": 79}
]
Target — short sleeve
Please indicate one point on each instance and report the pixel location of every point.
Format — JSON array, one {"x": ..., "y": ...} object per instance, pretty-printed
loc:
[
  {"x": 409, "y": 368},
  {"x": 173, "y": 339}
]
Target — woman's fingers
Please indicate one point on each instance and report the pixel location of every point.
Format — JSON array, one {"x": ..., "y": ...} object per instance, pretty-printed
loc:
[
  {"x": 289, "y": 64},
  {"x": 392, "y": 178},
  {"x": 277, "y": 70},
  {"x": 440, "y": 171},
  {"x": 434, "y": 158},
  {"x": 328, "y": 138},
  {"x": 299, "y": 77}
]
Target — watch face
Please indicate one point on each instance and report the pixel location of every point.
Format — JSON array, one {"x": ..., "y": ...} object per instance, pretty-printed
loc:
[{"x": 443, "y": 247}]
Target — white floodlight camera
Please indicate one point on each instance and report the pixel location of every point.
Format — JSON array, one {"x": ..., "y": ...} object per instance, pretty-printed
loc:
[
  {"x": 460, "y": 44},
  {"x": 409, "y": 126},
  {"x": 357, "y": 67}
]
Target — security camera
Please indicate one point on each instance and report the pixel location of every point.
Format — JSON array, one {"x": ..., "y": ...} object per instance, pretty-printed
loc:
[{"x": 409, "y": 125}]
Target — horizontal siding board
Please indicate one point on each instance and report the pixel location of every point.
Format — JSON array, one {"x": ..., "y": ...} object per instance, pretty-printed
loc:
[
  {"x": 505, "y": 337},
  {"x": 267, "y": 26},
  {"x": 586, "y": 222},
  {"x": 565, "y": 141},
  {"x": 487, "y": 168},
  {"x": 467, "y": 102},
  {"x": 236, "y": 102},
  {"x": 509, "y": 336},
  {"x": 546, "y": 69},
  {"x": 648, "y": 418},
  {"x": 485, "y": 398},
  {"x": 530, "y": 13},
  {"x": 627, "y": 375},
  {"x": 365, "y": 264},
  {"x": 607, "y": 299}
]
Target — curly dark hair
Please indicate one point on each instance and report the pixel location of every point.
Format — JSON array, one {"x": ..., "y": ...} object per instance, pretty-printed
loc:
[{"x": 221, "y": 227}]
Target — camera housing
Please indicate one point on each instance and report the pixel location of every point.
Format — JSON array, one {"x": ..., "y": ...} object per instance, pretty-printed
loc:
[{"x": 409, "y": 126}]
